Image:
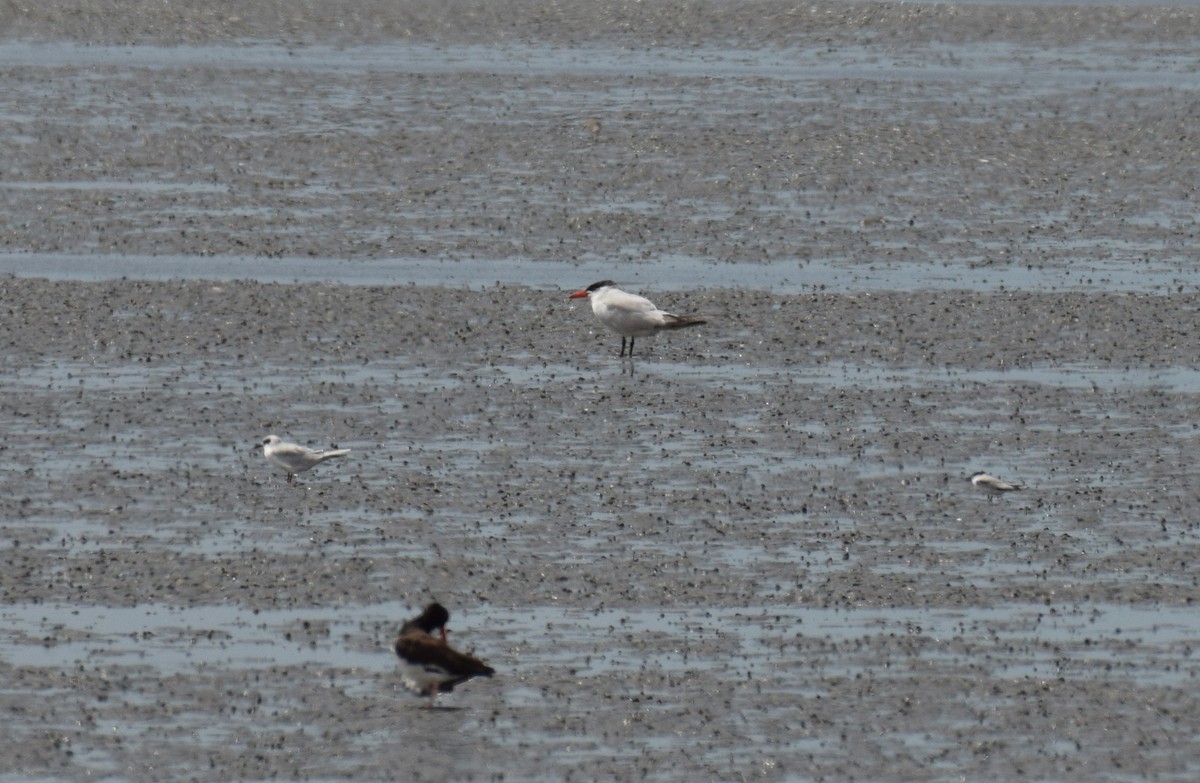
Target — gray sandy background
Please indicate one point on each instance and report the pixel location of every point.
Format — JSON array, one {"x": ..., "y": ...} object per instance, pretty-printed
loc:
[{"x": 930, "y": 239}]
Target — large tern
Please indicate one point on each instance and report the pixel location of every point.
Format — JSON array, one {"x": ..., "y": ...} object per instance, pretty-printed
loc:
[{"x": 630, "y": 315}]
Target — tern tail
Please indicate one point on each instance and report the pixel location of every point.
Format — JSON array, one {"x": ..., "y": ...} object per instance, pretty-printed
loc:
[{"x": 680, "y": 321}]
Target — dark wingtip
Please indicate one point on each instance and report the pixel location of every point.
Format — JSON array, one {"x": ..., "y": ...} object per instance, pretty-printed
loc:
[{"x": 680, "y": 321}]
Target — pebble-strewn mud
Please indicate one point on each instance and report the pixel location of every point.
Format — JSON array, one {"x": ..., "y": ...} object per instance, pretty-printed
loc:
[{"x": 749, "y": 553}]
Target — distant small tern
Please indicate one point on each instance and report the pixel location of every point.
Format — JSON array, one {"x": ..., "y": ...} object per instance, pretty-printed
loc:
[
  {"x": 293, "y": 457},
  {"x": 992, "y": 485}
]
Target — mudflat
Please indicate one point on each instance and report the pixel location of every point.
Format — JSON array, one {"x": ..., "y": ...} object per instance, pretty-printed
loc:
[{"x": 928, "y": 239}]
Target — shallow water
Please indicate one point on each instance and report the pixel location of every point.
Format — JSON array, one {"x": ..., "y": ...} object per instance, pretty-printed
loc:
[
  {"x": 929, "y": 239},
  {"x": 656, "y": 555},
  {"x": 667, "y": 274}
]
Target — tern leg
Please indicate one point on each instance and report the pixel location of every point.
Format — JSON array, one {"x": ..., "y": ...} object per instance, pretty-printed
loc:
[
  {"x": 630, "y": 347},
  {"x": 622, "y": 346}
]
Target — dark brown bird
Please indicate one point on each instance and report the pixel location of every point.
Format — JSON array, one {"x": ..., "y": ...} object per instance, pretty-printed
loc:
[{"x": 429, "y": 664}]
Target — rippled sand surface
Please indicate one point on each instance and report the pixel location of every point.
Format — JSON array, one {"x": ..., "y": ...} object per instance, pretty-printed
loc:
[{"x": 929, "y": 239}]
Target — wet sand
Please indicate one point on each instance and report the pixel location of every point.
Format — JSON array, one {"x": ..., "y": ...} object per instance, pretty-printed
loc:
[{"x": 749, "y": 553}]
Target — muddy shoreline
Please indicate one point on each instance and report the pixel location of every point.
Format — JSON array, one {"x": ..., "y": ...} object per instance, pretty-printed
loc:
[
  {"x": 760, "y": 23},
  {"x": 760, "y": 531},
  {"x": 749, "y": 553}
]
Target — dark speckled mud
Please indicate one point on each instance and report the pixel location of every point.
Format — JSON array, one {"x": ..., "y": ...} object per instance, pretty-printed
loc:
[{"x": 929, "y": 240}]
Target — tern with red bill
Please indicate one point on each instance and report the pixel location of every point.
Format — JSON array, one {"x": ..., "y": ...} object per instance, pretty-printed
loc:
[
  {"x": 630, "y": 315},
  {"x": 428, "y": 664}
]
